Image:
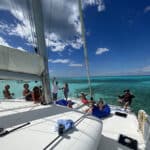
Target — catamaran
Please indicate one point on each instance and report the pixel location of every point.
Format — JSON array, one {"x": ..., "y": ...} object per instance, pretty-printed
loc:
[{"x": 25, "y": 125}]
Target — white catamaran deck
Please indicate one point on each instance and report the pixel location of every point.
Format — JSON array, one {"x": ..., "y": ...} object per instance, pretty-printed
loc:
[
  {"x": 115, "y": 125},
  {"x": 40, "y": 132},
  {"x": 90, "y": 133}
]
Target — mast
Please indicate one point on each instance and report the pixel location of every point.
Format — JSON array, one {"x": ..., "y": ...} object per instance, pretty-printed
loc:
[
  {"x": 84, "y": 46},
  {"x": 39, "y": 28}
]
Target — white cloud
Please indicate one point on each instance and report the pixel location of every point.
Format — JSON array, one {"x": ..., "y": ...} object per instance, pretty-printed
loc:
[
  {"x": 99, "y": 51},
  {"x": 63, "y": 61},
  {"x": 53, "y": 41},
  {"x": 101, "y": 8},
  {"x": 75, "y": 65},
  {"x": 21, "y": 27},
  {"x": 21, "y": 49},
  {"x": 4, "y": 42},
  {"x": 146, "y": 69},
  {"x": 99, "y": 3},
  {"x": 140, "y": 71},
  {"x": 23, "y": 31},
  {"x": 61, "y": 27},
  {"x": 5, "y": 28},
  {"x": 65, "y": 21},
  {"x": 147, "y": 9},
  {"x": 50, "y": 71},
  {"x": 58, "y": 45},
  {"x": 77, "y": 43}
]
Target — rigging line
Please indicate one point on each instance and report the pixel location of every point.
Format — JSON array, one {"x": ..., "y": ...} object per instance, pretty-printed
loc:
[
  {"x": 28, "y": 17},
  {"x": 14, "y": 7},
  {"x": 31, "y": 20},
  {"x": 84, "y": 46},
  {"x": 33, "y": 23},
  {"x": 49, "y": 29},
  {"x": 48, "y": 36},
  {"x": 12, "y": 130}
]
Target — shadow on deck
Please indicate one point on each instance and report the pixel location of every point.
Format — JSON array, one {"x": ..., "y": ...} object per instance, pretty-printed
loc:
[{"x": 30, "y": 115}]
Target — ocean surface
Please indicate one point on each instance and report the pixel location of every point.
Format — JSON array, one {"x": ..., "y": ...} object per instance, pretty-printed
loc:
[{"x": 107, "y": 88}]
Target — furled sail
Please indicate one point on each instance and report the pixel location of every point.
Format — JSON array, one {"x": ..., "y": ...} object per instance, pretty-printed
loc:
[{"x": 15, "y": 61}]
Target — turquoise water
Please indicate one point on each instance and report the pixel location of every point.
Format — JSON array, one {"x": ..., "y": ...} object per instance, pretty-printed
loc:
[{"x": 102, "y": 87}]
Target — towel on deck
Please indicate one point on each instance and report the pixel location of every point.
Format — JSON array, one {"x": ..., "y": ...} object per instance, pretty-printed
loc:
[
  {"x": 67, "y": 123},
  {"x": 64, "y": 102}
]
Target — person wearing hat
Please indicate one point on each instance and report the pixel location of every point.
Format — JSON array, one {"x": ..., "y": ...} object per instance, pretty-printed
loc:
[{"x": 126, "y": 98}]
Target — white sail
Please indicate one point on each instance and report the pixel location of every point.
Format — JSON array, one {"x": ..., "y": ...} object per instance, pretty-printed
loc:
[{"x": 13, "y": 60}]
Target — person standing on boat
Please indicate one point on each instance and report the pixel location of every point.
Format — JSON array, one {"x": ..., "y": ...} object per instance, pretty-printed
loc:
[
  {"x": 55, "y": 89},
  {"x": 66, "y": 90},
  {"x": 27, "y": 93},
  {"x": 7, "y": 93},
  {"x": 126, "y": 99}
]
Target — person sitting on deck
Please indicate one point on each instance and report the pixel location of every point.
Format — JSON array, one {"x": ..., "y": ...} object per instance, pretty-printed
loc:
[
  {"x": 91, "y": 102},
  {"x": 27, "y": 93},
  {"x": 126, "y": 99},
  {"x": 84, "y": 100},
  {"x": 36, "y": 95},
  {"x": 7, "y": 93},
  {"x": 100, "y": 110}
]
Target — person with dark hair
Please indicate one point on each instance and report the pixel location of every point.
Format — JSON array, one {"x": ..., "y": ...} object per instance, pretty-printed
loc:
[
  {"x": 7, "y": 93},
  {"x": 100, "y": 104},
  {"x": 91, "y": 101},
  {"x": 126, "y": 99},
  {"x": 26, "y": 92},
  {"x": 70, "y": 103},
  {"x": 36, "y": 95}
]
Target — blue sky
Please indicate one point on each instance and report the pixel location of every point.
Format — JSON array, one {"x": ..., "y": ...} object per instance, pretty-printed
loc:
[
  {"x": 123, "y": 28},
  {"x": 117, "y": 35}
]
